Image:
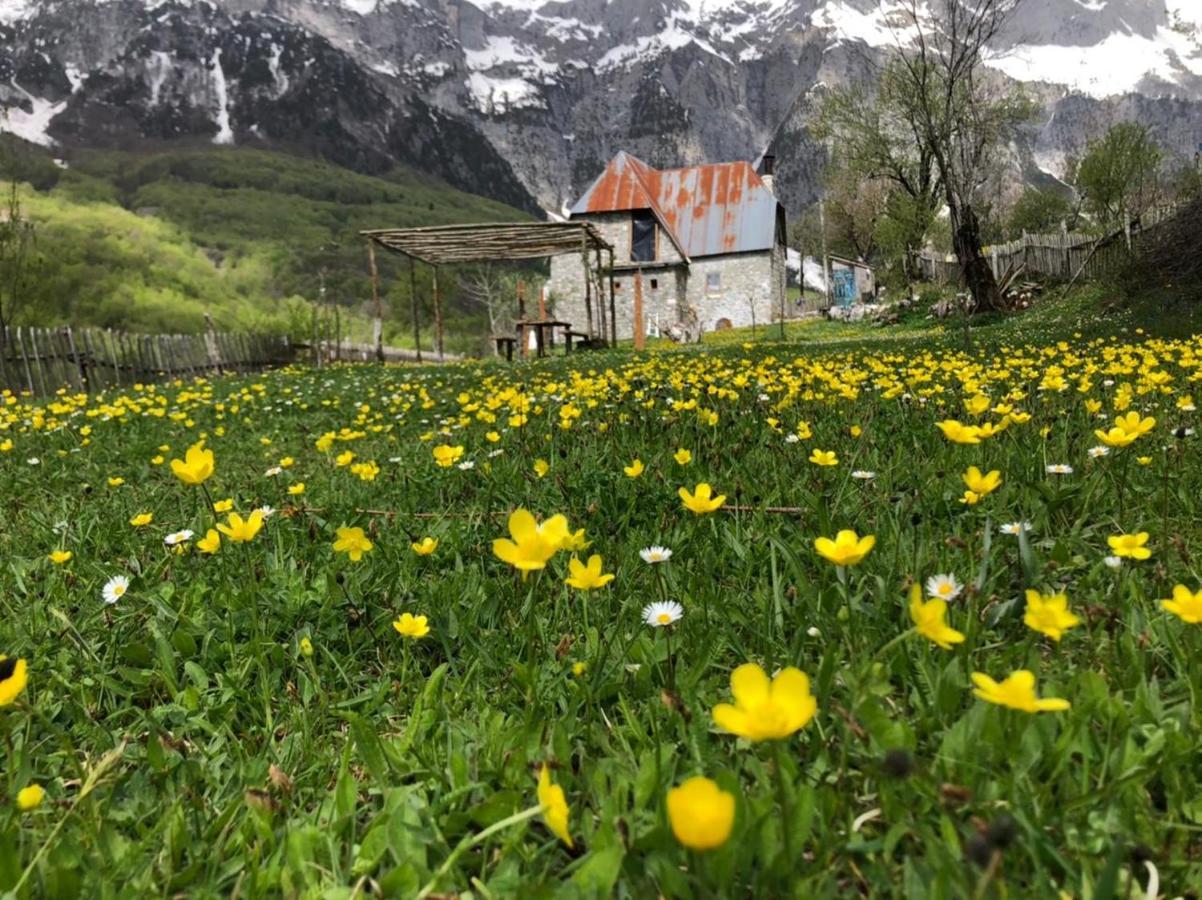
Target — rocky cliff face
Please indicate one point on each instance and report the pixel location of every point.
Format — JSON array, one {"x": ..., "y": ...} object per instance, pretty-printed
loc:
[{"x": 524, "y": 100}]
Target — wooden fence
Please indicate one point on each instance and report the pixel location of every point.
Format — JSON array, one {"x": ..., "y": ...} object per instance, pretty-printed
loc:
[
  {"x": 351, "y": 351},
  {"x": 1061, "y": 255},
  {"x": 42, "y": 360}
]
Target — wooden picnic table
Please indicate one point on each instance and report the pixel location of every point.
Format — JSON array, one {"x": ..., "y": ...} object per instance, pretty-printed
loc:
[{"x": 544, "y": 333}]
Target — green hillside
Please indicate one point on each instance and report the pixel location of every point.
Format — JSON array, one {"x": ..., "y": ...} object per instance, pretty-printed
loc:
[{"x": 150, "y": 242}]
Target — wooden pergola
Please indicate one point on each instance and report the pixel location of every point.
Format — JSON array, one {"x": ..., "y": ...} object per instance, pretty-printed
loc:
[{"x": 510, "y": 241}]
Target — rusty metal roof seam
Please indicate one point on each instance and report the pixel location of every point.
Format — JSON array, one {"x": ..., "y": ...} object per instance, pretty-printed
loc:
[{"x": 707, "y": 210}]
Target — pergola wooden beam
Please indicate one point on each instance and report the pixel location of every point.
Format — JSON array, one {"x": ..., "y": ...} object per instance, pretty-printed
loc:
[{"x": 440, "y": 244}]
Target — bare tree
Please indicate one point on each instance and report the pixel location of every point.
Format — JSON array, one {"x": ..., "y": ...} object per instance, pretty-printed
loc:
[
  {"x": 18, "y": 265},
  {"x": 960, "y": 113},
  {"x": 495, "y": 291}
]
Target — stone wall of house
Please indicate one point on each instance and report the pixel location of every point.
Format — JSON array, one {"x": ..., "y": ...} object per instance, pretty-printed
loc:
[
  {"x": 747, "y": 290},
  {"x": 663, "y": 281}
]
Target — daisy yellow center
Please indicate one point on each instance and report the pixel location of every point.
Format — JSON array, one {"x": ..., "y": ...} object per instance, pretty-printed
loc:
[
  {"x": 945, "y": 589},
  {"x": 118, "y": 589},
  {"x": 664, "y": 618}
]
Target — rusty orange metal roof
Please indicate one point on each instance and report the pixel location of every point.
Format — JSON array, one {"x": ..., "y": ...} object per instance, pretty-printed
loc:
[{"x": 705, "y": 210}]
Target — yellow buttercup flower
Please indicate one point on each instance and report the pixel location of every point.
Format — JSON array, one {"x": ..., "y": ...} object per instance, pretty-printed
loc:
[
  {"x": 532, "y": 544},
  {"x": 196, "y": 467},
  {"x": 587, "y": 577},
  {"x": 13, "y": 678},
  {"x": 241, "y": 530},
  {"x": 979, "y": 484},
  {"x": 116, "y": 481},
  {"x": 210, "y": 543},
  {"x": 555, "y": 806},
  {"x": 1016, "y": 692},
  {"x": 306, "y": 647},
  {"x": 959, "y": 433},
  {"x": 541, "y": 467},
  {"x": 1185, "y": 605},
  {"x": 411, "y": 626},
  {"x": 425, "y": 546},
  {"x": 223, "y": 506},
  {"x": 635, "y": 469},
  {"x": 683, "y": 457},
  {"x": 1130, "y": 546},
  {"x": 446, "y": 455},
  {"x": 1048, "y": 614},
  {"x": 766, "y": 710},
  {"x": 701, "y": 501},
  {"x": 142, "y": 519},
  {"x": 30, "y": 797},
  {"x": 930, "y": 619},
  {"x": 846, "y": 549},
  {"x": 352, "y": 541},
  {"x": 58, "y": 557},
  {"x": 701, "y": 813},
  {"x": 824, "y": 458},
  {"x": 296, "y": 489}
]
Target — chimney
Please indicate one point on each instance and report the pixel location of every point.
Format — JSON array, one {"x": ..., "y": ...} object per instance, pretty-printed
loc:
[{"x": 768, "y": 171}]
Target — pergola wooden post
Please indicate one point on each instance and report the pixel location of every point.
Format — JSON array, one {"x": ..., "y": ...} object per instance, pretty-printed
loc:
[
  {"x": 378, "y": 324},
  {"x": 417, "y": 331},
  {"x": 437, "y": 312},
  {"x": 588, "y": 288},
  {"x": 639, "y": 336},
  {"x": 613, "y": 319}
]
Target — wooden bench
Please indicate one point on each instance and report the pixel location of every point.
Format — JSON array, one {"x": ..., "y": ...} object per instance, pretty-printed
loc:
[
  {"x": 583, "y": 342},
  {"x": 505, "y": 345}
]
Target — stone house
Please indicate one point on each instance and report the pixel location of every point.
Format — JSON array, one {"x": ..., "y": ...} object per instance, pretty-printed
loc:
[{"x": 706, "y": 242}]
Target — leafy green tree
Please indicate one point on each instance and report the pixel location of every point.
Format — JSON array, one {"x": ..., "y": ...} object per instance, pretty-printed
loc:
[
  {"x": 1038, "y": 211},
  {"x": 1119, "y": 176}
]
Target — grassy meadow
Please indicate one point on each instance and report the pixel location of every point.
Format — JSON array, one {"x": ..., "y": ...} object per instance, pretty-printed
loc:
[
  {"x": 378, "y": 678},
  {"x": 150, "y": 242}
]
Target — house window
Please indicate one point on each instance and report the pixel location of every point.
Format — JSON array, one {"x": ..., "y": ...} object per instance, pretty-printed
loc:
[
  {"x": 654, "y": 284},
  {"x": 713, "y": 282},
  {"x": 643, "y": 236},
  {"x": 617, "y": 285}
]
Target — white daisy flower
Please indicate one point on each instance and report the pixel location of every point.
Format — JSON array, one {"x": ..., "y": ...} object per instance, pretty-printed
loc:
[
  {"x": 1015, "y": 527},
  {"x": 267, "y": 511},
  {"x": 1059, "y": 469},
  {"x": 467, "y": 464},
  {"x": 655, "y": 554},
  {"x": 791, "y": 438},
  {"x": 1113, "y": 561},
  {"x": 34, "y": 461},
  {"x": 863, "y": 474},
  {"x": 114, "y": 589},
  {"x": 493, "y": 454},
  {"x": 178, "y": 537},
  {"x": 1099, "y": 451},
  {"x": 813, "y": 631},
  {"x": 272, "y": 472},
  {"x": 662, "y": 613},
  {"x": 944, "y": 587}
]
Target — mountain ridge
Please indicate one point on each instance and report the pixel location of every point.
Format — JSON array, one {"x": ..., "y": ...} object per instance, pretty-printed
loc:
[{"x": 525, "y": 101}]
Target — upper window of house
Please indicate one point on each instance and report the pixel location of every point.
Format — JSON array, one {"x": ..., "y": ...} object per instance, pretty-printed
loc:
[
  {"x": 713, "y": 281},
  {"x": 643, "y": 236}
]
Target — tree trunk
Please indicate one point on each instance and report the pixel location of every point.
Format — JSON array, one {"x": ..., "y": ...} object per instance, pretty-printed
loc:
[{"x": 974, "y": 267}]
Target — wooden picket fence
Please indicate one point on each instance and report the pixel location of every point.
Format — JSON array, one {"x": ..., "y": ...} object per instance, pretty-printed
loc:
[
  {"x": 43, "y": 360},
  {"x": 1062, "y": 255}
]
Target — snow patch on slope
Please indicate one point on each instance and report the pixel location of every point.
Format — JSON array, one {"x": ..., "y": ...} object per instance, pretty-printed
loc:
[
  {"x": 32, "y": 126},
  {"x": 1116, "y": 65}
]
